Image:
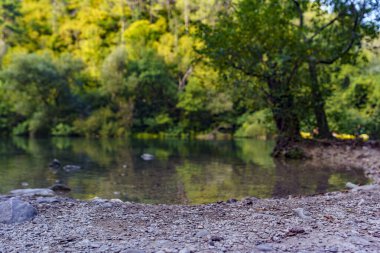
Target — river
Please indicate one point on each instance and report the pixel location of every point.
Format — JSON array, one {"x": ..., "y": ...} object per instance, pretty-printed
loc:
[{"x": 182, "y": 172}]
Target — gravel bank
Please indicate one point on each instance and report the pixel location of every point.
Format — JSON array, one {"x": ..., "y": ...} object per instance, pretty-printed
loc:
[{"x": 347, "y": 221}]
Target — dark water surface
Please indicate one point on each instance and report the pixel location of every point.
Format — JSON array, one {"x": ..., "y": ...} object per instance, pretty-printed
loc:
[{"x": 188, "y": 172}]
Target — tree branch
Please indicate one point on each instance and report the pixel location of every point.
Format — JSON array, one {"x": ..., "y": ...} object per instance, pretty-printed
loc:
[
  {"x": 182, "y": 81},
  {"x": 348, "y": 47},
  {"x": 321, "y": 29},
  {"x": 300, "y": 12}
]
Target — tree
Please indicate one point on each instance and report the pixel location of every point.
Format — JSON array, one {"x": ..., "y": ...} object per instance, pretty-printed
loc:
[
  {"x": 41, "y": 91},
  {"x": 9, "y": 13},
  {"x": 332, "y": 31},
  {"x": 258, "y": 41},
  {"x": 271, "y": 40}
]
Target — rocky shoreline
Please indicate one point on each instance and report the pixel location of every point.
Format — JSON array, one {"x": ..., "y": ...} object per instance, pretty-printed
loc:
[{"x": 347, "y": 221}]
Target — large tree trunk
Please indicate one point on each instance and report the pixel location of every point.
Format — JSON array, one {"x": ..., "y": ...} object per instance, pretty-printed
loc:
[
  {"x": 318, "y": 102},
  {"x": 284, "y": 115},
  {"x": 283, "y": 110}
]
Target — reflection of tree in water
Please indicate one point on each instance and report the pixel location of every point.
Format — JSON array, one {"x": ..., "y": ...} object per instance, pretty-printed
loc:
[
  {"x": 305, "y": 177},
  {"x": 22, "y": 160}
]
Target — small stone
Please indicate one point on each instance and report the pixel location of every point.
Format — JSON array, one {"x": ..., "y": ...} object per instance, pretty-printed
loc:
[
  {"x": 107, "y": 205},
  {"x": 359, "y": 241},
  {"x": 116, "y": 201},
  {"x": 216, "y": 238},
  {"x": 133, "y": 251},
  {"x": 60, "y": 188},
  {"x": 202, "y": 233},
  {"x": 264, "y": 247},
  {"x": 295, "y": 231},
  {"x": 185, "y": 250},
  {"x": 333, "y": 249},
  {"x": 104, "y": 248},
  {"x": 350, "y": 185},
  {"x": 300, "y": 212},
  {"x": 24, "y": 184},
  {"x": 46, "y": 200},
  {"x": 160, "y": 243},
  {"x": 98, "y": 200},
  {"x": 94, "y": 245},
  {"x": 230, "y": 201}
]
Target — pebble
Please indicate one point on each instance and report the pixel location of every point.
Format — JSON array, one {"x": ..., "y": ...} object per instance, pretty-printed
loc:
[
  {"x": 133, "y": 251},
  {"x": 264, "y": 247},
  {"x": 185, "y": 250},
  {"x": 24, "y": 184},
  {"x": 202, "y": 233},
  {"x": 216, "y": 238},
  {"x": 300, "y": 212},
  {"x": 47, "y": 200}
]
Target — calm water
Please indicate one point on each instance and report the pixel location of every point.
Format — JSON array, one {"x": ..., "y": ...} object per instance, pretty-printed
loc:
[{"x": 183, "y": 172}]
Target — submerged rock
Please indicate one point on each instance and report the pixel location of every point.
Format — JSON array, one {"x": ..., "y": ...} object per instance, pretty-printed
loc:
[
  {"x": 231, "y": 201},
  {"x": 24, "y": 184},
  {"x": 15, "y": 210},
  {"x": 69, "y": 168},
  {"x": 55, "y": 164},
  {"x": 295, "y": 153},
  {"x": 60, "y": 188},
  {"x": 147, "y": 157},
  {"x": 33, "y": 192}
]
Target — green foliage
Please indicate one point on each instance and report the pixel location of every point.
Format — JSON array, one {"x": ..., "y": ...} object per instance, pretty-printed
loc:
[
  {"x": 21, "y": 129},
  {"x": 108, "y": 68},
  {"x": 354, "y": 108},
  {"x": 101, "y": 123},
  {"x": 62, "y": 130},
  {"x": 40, "y": 90},
  {"x": 257, "y": 125}
]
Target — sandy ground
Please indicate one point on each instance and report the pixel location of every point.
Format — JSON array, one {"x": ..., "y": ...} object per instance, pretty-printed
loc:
[{"x": 347, "y": 221}]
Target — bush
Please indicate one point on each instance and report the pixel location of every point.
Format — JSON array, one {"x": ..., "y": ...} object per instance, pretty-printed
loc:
[
  {"x": 102, "y": 122},
  {"x": 21, "y": 129},
  {"x": 256, "y": 125},
  {"x": 62, "y": 130}
]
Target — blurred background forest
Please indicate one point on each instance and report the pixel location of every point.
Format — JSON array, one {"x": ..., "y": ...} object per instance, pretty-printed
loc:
[{"x": 110, "y": 68}]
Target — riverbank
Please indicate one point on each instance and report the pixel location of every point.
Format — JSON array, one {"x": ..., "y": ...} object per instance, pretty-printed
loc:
[{"x": 334, "y": 222}]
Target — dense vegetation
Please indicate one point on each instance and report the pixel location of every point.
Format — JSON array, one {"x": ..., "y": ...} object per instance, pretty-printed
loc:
[{"x": 180, "y": 67}]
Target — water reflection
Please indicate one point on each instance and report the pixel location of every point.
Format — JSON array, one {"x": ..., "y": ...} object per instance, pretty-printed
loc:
[{"x": 182, "y": 171}]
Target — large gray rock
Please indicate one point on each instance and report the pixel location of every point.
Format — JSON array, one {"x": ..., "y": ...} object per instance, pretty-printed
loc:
[
  {"x": 15, "y": 210},
  {"x": 33, "y": 192}
]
